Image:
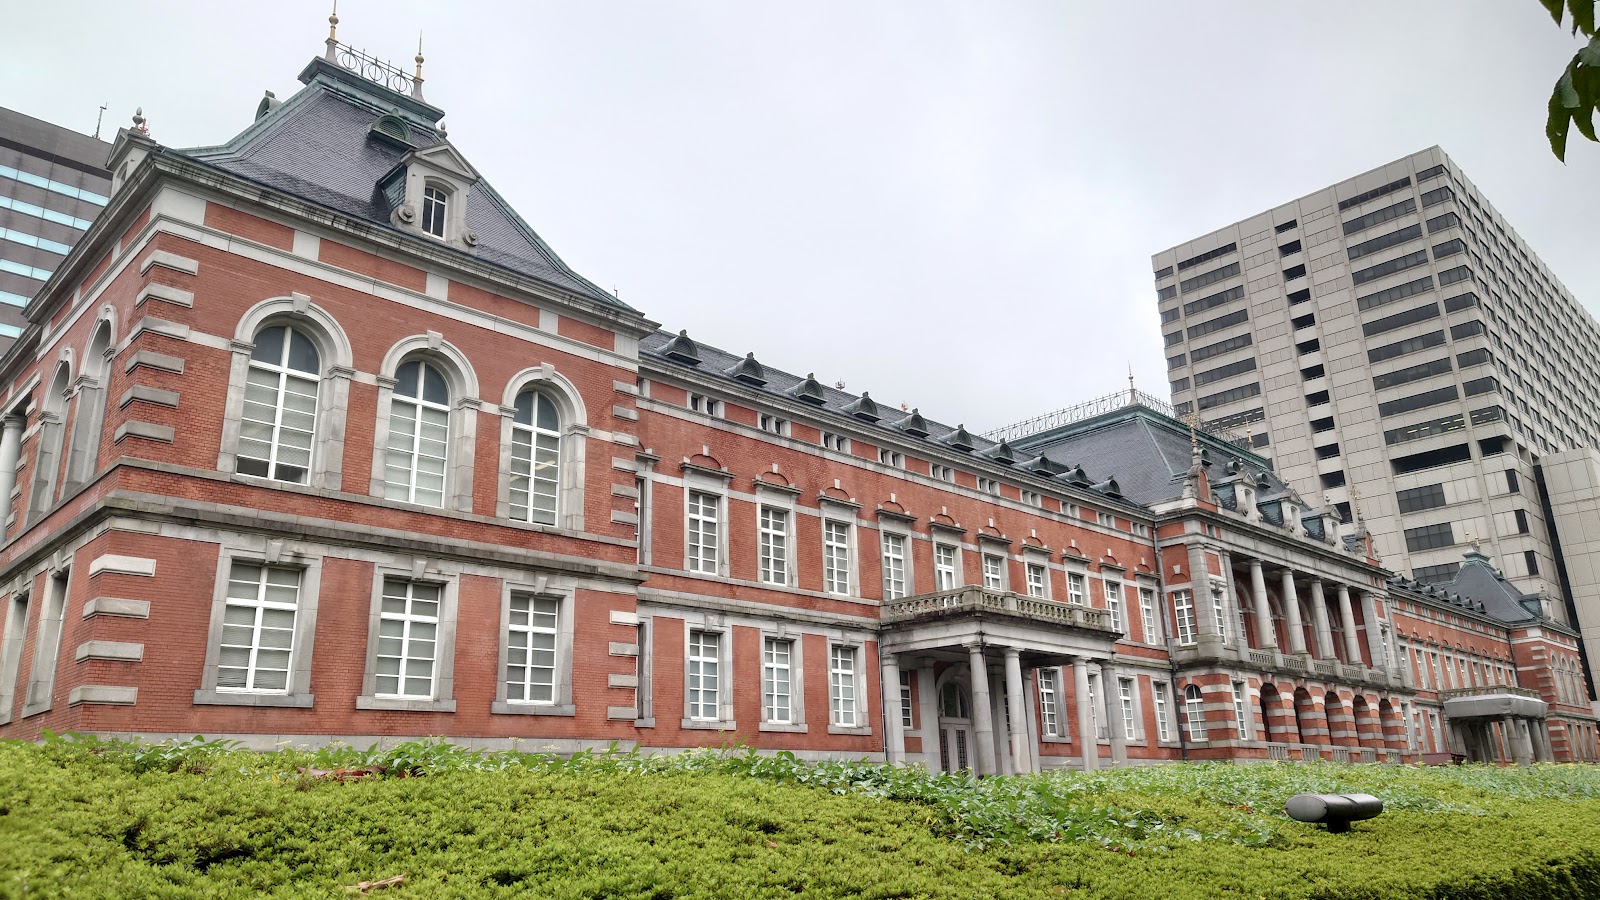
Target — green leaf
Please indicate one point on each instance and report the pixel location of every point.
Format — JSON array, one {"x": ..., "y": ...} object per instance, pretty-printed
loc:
[
  {"x": 1585, "y": 121},
  {"x": 1566, "y": 91},
  {"x": 1554, "y": 8},
  {"x": 1556, "y": 126},
  {"x": 1582, "y": 16},
  {"x": 1590, "y": 55}
]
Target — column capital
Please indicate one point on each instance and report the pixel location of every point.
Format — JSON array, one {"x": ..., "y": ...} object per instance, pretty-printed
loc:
[
  {"x": 1012, "y": 652},
  {"x": 1255, "y": 562},
  {"x": 14, "y": 423}
]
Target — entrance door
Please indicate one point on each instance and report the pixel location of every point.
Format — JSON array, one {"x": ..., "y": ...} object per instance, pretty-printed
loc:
[{"x": 955, "y": 729}]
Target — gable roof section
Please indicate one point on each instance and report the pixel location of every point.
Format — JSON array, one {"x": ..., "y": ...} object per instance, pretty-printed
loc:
[{"x": 316, "y": 147}]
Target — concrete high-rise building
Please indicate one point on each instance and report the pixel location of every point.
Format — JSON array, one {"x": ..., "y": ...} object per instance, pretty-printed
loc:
[
  {"x": 1391, "y": 341},
  {"x": 53, "y": 182}
]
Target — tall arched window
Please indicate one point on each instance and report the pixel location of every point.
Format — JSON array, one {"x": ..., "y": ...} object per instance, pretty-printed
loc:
[
  {"x": 417, "y": 457},
  {"x": 1196, "y": 708},
  {"x": 278, "y": 421},
  {"x": 435, "y": 208},
  {"x": 535, "y": 459}
]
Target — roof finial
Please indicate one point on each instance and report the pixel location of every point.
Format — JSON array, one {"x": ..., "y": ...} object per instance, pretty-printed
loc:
[
  {"x": 416, "y": 80},
  {"x": 333, "y": 31},
  {"x": 140, "y": 124},
  {"x": 1477, "y": 545},
  {"x": 1131, "y": 393},
  {"x": 1193, "y": 418}
]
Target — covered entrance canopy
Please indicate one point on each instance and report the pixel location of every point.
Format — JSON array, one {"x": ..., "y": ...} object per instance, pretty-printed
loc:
[
  {"x": 982, "y": 628},
  {"x": 1474, "y": 713}
]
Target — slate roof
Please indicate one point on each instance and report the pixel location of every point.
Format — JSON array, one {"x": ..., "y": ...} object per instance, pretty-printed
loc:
[
  {"x": 1148, "y": 460},
  {"x": 316, "y": 146},
  {"x": 1479, "y": 587}
]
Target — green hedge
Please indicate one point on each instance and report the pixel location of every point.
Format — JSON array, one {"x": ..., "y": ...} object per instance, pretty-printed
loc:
[{"x": 200, "y": 820}]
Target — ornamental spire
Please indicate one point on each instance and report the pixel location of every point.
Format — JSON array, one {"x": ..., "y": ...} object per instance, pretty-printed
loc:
[{"x": 333, "y": 32}]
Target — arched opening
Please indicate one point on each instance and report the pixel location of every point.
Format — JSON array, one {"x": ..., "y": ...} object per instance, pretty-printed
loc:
[
  {"x": 1308, "y": 720},
  {"x": 1341, "y": 722},
  {"x": 417, "y": 458},
  {"x": 542, "y": 450},
  {"x": 1279, "y": 716},
  {"x": 1369, "y": 731},
  {"x": 956, "y": 748},
  {"x": 277, "y": 430},
  {"x": 84, "y": 456},
  {"x": 47, "y": 457},
  {"x": 1194, "y": 708},
  {"x": 1394, "y": 725}
]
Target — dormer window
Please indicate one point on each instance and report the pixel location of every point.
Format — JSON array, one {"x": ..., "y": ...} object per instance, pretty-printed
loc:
[{"x": 435, "y": 204}]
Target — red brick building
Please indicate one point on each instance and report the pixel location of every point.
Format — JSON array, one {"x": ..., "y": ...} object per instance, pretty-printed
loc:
[{"x": 312, "y": 437}]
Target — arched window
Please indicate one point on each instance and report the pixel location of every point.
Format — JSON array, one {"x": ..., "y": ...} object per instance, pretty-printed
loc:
[
  {"x": 1196, "y": 708},
  {"x": 278, "y": 420},
  {"x": 417, "y": 457},
  {"x": 535, "y": 472},
  {"x": 89, "y": 420},
  {"x": 953, "y": 702},
  {"x": 47, "y": 455},
  {"x": 435, "y": 209}
]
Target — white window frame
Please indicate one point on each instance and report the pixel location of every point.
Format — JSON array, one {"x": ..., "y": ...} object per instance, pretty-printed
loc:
[
  {"x": 989, "y": 485},
  {"x": 298, "y": 692},
  {"x": 1049, "y": 687},
  {"x": 529, "y": 435},
  {"x": 1111, "y": 587},
  {"x": 1159, "y": 694},
  {"x": 435, "y": 218},
  {"x": 572, "y": 417},
  {"x": 1078, "y": 587},
  {"x": 461, "y": 422},
  {"x": 838, "y": 556},
  {"x": 774, "y": 543},
  {"x": 772, "y": 424},
  {"x": 443, "y": 697},
  {"x": 1241, "y": 710},
  {"x": 697, "y": 711},
  {"x": 838, "y": 443},
  {"x": 409, "y": 592},
  {"x": 1038, "y": 575},
  {"x": 561, "y": 702},
  {"x": 894, "y": 459},
  {"x": 895, "y": 548},
  {"x": 47, "y": 638},
  {"x": 778, "y": 659},
  {"x": 844, "y": 687},
  {"x": 1096, "y": 711},
  {"x": 286, "y": 381},
  {"x": 1183, "y": 617},
  {"x": 907, "y": 708},
  {"x": 704, "y": 511},
  {"x": 1127, "y": 699},
  {"x": 1147, "y": 614},
  {"x": 942, "y": 473},
  {"x": 994, "y": 571},
  {"x": 1219, "y": 610},
  {"x": 1194, "y": 704},
  {"x": 946, "y": 567},
  {"x": 702, "y": 403}
]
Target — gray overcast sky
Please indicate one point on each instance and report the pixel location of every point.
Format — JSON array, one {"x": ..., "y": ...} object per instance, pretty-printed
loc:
[{"x": 950, "y": 204}]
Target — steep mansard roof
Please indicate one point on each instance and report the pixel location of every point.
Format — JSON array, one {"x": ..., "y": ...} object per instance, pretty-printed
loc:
[
  {"x": 1478, "y": 587},
  {"x": 318, "y": 146}
]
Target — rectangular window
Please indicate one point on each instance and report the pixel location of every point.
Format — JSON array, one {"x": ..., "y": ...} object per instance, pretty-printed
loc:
[
  {"x": 1430, "y": 537},
  {"x": 1375, "y": 193},
  {"x": 1228, "y": 371},
  {"x": 1211, "y": 277},
  {"x": 705, "y": 673},
  {"x": 258, "y": 628},
  {"x": 1449, "y": 248},
  {"x": 836, "y": 556},
  {"x": 835, "y": 442},
  {"x": 1130, "y": 723},
  {"x": 1420, "y": 430},
  {"x": 1158, "y": 691},
  {"x": 891, "y": 458},
  {"x": 1289, "y": 249},
  {"x": 1332, "y": 480},
  {"x": 776, "y": 683},
  {"x": 531, "y": 649},
  {"x": 1409, "y": 345},
  {"x": 1460, "y": 302},
  {"x": 988, "y": 485},
  {"x": 994, "y": 569},
  {"x": 1032, "y": 498},
  {"x": 1147, "y": 614},
  {"x": 1167, "y": 293},
  {"x": 1451, "y": 276},
  {"x": 703, "y": 404},
  {"x": 1297, "y": 297},
  {"x": 1377, "y": 244},
  {"x": 1379, "y": 216},
  {"x": 1398, "y": 292},
  {"x": 905, "y": 700},
  {"x": 1239, "y": 718},
  {"x": 1221, "y": 347},
  {"x": 1513, "y": 482},
  {"x": 1231, "y": 395},
  {"x": 1437, "y": 195},
  {"x": 894, "y": 566},
  {"x": 1530, "y": 559},
  {"x": 1420, "y": 498},
  {"x": 1317, "y": 398},
  {"x": 1075, "y": 588},
  {"x": 1049, "y": 706},
  {"x": 774, "y": 545},
  {"x": 842, "y": 685},
  {"x": 1412, "y": 373},
  {"x": 1206, "y": 257},
  {"x": 1522, "y": 520},
  {"x": 408, "y": 638},
  {"x": 1312, "y": 373},
  {"x": 1401, "y": 320},
  {"x": 944, "y": 567},
  {"x": 1419, "y": 401},
  {"x": 1219, "y": 323},
  {"x": 1318, "y": 426},
  {"x": 1038, "y": 580},
  {"x": 1183, "y": 609},
  {"x": 47, "y": 646},
  {"x": 1294, "y": 272},
  {"x": 1429, "y": 459},
  {"x": 1221, "y": 298},
  {"x": 773, "y": 424},
  {"x": 942, "y": 473},
  {"x": 1286, "y": 226},
  {"x": 1195, "y": 707},
  {"x": 1114, "y": 601},
  {"x": 1219, "y": 614},
  {"x": 1440, "y": 223},
  {"x": 1390, "y": 267},
  {"x": 703, "y": 532},
  {"x": 1305, "y": 321}
]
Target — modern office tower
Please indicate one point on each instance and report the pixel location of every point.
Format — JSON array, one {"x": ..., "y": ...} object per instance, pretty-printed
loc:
[
  {"x": 53, "y": 182},
  {"x": 1393, "y": 342}
]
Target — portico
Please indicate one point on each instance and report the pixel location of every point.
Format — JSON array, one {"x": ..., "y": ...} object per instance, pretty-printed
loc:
[{"x": 974, "y": 651}]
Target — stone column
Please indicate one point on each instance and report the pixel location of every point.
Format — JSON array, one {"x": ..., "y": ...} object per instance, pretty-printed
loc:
[
  {"x": 1030, "y": 705},
  {"x": 1080, "y": 691},
  {"x": 10, "y": 448},
  {"x": 1002, "y": 725},
  {"x": 1266, "y": 635},
  {"x": 1544, "y": 742},
  {"x": 1200, "y": 586},
  {"x": 928, "y": 709},
  {"x": 1347, "y": 623},
  {"x": 1111, "y": 689},
  {"x": 1369, "y": 611},
  {"x": 982, "y": 714},
  {"x": 1232, "y": 614},
  {"x": 1319, "y": 621},
  {"x": 1291, "y": 614},
  {"x": 894, "y": 751},
  {"x": 1019, "y": 729},
  {"x": 1523, "y": 738}
]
